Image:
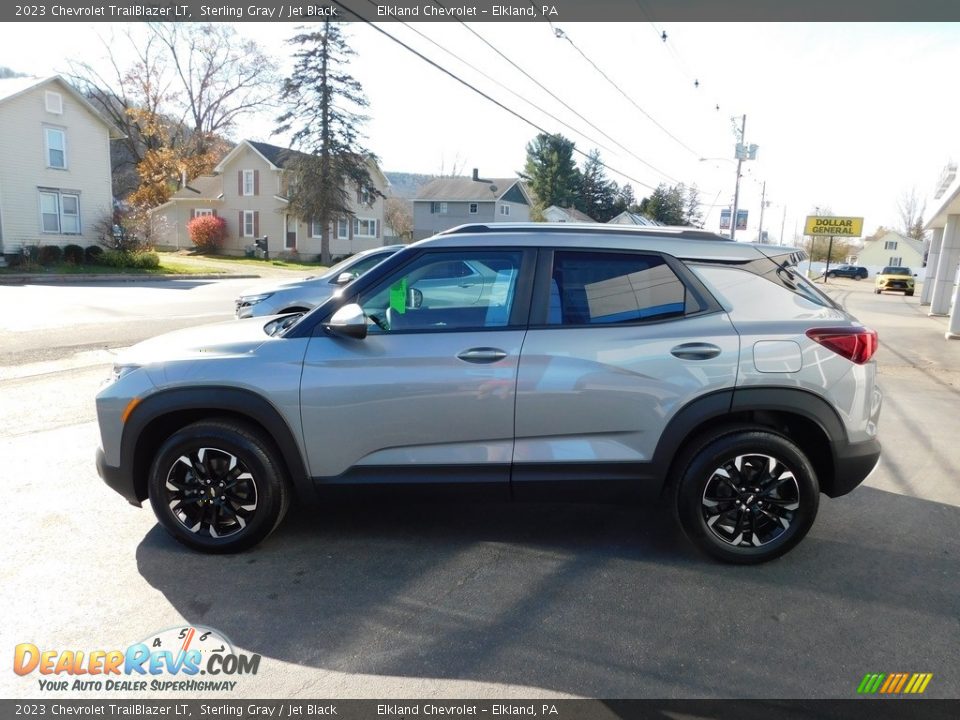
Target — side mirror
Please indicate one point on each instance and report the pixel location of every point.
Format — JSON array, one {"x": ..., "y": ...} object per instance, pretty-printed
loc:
[
  {"x": 349, "y": 322},
  {"x": 345, "y": 277}
]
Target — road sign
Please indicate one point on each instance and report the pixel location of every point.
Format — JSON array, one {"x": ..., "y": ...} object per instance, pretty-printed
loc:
[{"x": 838, "y": 226}]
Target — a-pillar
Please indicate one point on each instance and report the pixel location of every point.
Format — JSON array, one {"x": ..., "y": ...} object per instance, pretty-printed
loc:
[
  {"x": 933, "y": 255},
  {"x": 946, "y": 267}
]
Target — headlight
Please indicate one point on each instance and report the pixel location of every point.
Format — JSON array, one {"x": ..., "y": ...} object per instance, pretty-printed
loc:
[
  {"x": 122, "y": 370},
  {"x": 252, "y": 299}
]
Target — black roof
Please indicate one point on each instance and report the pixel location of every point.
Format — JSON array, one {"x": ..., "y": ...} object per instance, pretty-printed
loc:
[{"x": 277, "y": 155}]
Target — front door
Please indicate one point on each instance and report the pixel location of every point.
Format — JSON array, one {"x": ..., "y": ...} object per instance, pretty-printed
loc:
[{"x": 428, "y": 396}]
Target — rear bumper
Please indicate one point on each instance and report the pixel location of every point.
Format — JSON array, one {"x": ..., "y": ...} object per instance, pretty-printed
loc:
[
  {"x": 854, "y": 463},
  {"x": 116, "y": 479}
]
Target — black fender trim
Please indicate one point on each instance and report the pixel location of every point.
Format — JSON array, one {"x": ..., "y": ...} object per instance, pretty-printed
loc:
[
  {"x": 684, "y": 422},
  {"x": 218, "y": 401},
  {"x": 796, "y": 401}
]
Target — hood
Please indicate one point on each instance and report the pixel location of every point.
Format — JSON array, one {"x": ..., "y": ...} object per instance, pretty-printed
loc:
[
  {"x": 226, "y": 338},
  {"x": 272, "y": 287}
]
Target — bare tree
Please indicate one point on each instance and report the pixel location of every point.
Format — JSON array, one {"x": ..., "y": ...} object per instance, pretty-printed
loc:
[
  {"x": 176, "y": 101},
  {"x": 398, "y": 216},
  {"x": 911, "y": 209}
]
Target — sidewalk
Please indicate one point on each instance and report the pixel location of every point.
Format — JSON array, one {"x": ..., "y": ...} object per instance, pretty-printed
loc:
[{"x": 37, "y": 278}]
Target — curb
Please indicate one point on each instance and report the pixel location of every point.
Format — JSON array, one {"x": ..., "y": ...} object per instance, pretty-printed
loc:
[{"x": 34, "y": 279}]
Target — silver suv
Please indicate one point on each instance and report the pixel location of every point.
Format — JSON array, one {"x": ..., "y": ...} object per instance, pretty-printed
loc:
[
  {"x": 306, "y": 293},
  {"x": 515, "y": 362}
]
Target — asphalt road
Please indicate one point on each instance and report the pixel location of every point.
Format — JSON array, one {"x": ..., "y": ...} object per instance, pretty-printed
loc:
[{"x": 483, "y": 601}]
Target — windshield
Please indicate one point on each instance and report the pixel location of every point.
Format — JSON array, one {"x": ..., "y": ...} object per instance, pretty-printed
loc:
[{"x": 895, "y": 271}]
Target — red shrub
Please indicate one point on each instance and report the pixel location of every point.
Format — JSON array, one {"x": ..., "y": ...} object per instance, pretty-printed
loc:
[{"x": 207, "y": 232}]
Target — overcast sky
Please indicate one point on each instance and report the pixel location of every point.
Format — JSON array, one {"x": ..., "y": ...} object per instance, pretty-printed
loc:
[{"x": 847, "y": 115}]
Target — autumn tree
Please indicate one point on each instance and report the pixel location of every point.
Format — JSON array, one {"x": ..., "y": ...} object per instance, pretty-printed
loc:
[
  {"x": 175, "y": 101},
  {"x": 324, "y": 116},
  {"x": 551, "y": 171}
]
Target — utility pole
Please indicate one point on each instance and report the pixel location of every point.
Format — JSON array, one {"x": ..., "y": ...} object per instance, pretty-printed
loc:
[
  {"x": 782, "y": 223},
  {"x": 763, "y": 203},
  {"x": 736, "y": 191}
]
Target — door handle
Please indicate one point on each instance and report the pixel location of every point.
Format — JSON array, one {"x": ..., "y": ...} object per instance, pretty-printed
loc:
[
  {"x": 695, "y": 351},
  {"x": 482, "y": 355}
]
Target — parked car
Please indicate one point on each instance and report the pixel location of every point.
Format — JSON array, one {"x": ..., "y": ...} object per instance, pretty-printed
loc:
[
  {"x": 303, "y": 295},
  {"x": 849, "y": 271},
  {"x": 594, "y": 363},
  {"x": 895, "y": 278}
]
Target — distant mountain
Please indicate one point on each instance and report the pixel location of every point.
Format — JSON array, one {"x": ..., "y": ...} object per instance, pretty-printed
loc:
[{"x": 406, "y": 185}]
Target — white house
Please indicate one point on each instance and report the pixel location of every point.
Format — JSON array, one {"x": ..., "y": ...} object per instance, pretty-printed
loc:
[
  {"x": 54, "y": 165},
  {"x": 557, "y": 214},
  {"x": 890, "y": 248}
]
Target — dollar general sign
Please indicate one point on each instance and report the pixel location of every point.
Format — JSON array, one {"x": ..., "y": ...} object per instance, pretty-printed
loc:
[{"x": 841, "y": 226}]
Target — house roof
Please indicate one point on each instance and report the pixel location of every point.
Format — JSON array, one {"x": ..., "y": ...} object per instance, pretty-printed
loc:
[
  {"x": 464, "y": 189},
  {"x": 912, "y": 243},
  {"x": 280, "y": 157},
  {"x": 12, "y": 87},
  {"x": 573, "y": 215},
  {"x": 205, "y": 187},
  {"x": 629, "y": 218}
]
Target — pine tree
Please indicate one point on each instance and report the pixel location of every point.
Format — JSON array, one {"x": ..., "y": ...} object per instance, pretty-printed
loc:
[
  {"x": 553, "y": 176},
  {"x": 598, "y": 196},
  {"x": 324, "y": 112}
]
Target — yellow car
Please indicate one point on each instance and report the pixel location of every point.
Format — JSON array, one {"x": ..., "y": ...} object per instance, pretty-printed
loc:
[{"x": 895, "y": 278}]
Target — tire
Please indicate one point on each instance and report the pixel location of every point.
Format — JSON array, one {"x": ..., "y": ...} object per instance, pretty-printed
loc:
[
  {"x": 909, "y": 293},
  {"x": 876, "y": 292},
  {"x": 197, "y": 459},
  {"x": 776, "y": 519},
  {"x": 858, "y": 278}
]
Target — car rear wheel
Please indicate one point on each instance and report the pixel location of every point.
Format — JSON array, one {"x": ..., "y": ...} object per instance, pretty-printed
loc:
[
  {"x": 909, "y": 293},
  {"x": 218, "y": 486},
  {"x": 746, "y": 495}
]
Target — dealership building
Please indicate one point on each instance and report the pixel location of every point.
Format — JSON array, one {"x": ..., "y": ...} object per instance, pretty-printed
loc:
[{"x": 943, "y": 259}]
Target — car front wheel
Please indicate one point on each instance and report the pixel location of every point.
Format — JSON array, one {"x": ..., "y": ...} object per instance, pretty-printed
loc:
[
  {"x": 218, "y": 486},
  {"x": 746, "y": 495}
]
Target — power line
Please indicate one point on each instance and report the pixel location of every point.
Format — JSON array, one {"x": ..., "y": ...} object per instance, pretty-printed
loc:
[
  {"x": 504, "y": 87},
  {"x": 563, "y": 36},
  {"x": 558, "y": 99},
  {"x": 482, "y": 93}
]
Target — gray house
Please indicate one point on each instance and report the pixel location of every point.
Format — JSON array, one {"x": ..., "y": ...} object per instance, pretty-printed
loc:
[{"x": 447, "y": 202}]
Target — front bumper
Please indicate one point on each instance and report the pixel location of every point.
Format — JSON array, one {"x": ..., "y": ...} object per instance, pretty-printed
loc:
[
  {"x": 116, "y": 479},
  {"x": 853, "y": 464}
]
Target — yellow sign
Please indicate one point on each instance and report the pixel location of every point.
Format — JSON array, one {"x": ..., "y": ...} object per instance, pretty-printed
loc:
[{"x": 841, "y": 226}]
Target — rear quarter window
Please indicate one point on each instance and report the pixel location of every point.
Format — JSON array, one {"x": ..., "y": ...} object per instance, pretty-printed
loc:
[{"x": 758, "y": 297}]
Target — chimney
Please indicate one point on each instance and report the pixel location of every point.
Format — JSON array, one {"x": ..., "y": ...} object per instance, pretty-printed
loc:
[
  {"x": 476, "y": 174},
  {"x": 183, "y": 178}
]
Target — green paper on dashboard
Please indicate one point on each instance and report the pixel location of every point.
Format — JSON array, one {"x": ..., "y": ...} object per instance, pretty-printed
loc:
[{"x": 398, "y": 296}]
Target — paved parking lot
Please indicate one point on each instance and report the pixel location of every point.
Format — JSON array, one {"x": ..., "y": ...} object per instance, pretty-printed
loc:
[{"x": 493, "y": 601}]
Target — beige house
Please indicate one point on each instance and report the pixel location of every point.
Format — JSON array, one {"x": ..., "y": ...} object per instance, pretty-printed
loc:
[
  {"x": 889, "y": 248},
  {"x": 247, "y": 190},
  {"x": 54, "y": 165}
]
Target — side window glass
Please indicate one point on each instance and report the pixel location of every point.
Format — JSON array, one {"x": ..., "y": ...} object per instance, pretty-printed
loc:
[
  {"x": 604, "y": 288},
  {"x": 436, "y": 293}
]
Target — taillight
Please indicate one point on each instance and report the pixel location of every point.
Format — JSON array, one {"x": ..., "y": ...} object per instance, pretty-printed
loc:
[{"x": 857, "y": 344}]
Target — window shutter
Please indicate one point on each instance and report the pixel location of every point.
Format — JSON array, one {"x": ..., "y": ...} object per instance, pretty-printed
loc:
[
  {"x": 239, "y": 182},
  {"x": 241, "y": 217},
  {"x": 376, "y": 229},
  {"x": 256, "y": 223},
  {"x": 256, "y": 182},
  {"x": 193, "y": 213},
  {"x": 215, "y": 212}
]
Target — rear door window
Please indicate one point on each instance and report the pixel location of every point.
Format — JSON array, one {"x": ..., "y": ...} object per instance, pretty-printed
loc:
[{"x": 610, "y": 287}]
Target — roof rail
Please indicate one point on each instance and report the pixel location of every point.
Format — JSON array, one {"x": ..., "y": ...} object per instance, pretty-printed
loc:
[{"x": 683, "y": 233}]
